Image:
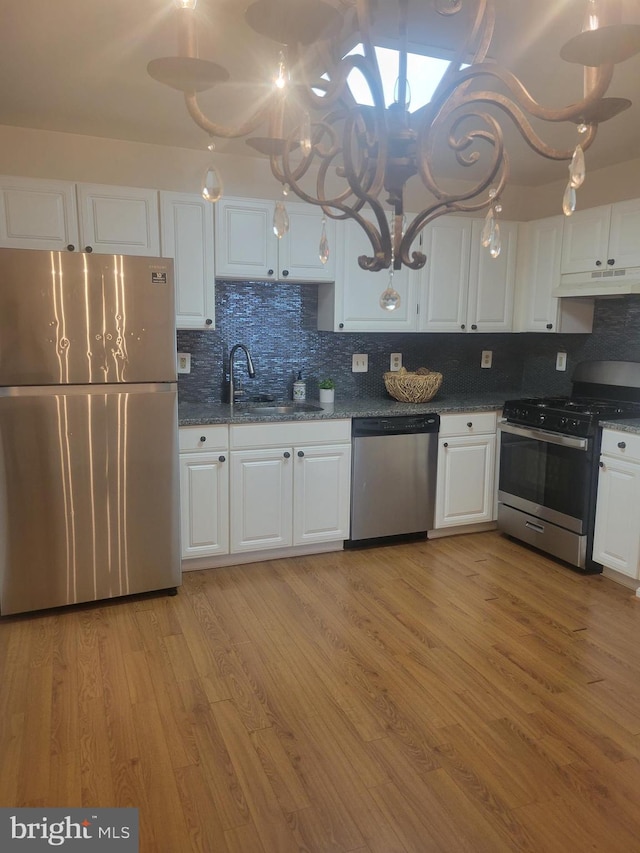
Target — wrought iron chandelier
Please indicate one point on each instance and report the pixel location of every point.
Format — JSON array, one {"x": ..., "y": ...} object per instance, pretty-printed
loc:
[{"x": 314, "y": 129}]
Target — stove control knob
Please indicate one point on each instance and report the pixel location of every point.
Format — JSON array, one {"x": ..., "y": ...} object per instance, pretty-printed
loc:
[{"x": 541, "y": 418}]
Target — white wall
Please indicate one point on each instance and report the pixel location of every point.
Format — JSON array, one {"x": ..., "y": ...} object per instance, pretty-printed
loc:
[{"x": 65, "y": 156}]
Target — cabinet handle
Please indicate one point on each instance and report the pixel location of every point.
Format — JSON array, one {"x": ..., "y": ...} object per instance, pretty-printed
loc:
[
  {"x": 221, "y": 459},
  {"x": 469, "y": 424},
  {"x": 71, "y": 247},
  {"x": 446, "y": 444},
  {"x": 598, "y": 263},
  {"x": 269, "y": 272},
  {"x": 301, "y": 453},
  {"x": 208, "y": 321},
  {"x": 473, "y": 326},
  {"x": 286, "y": 454},
  {"x": 88, "y": 249},
  {"x": 549, "y": 325},
  {"x": 611, "y": 261},
  {"x": 203, "y": 438},
  {"x": 285, "y": 273},
  {"x": 622, "y": 445}
]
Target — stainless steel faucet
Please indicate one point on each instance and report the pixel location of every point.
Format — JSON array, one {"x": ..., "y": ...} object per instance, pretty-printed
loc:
[{"x": 250, "y": 370}]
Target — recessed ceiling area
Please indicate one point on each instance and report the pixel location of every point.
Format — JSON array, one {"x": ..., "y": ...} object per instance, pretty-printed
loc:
[{"x": 80, "y": 67}]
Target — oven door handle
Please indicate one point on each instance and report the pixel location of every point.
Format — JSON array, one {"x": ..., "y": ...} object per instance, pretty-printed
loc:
[{"x": 543, "y": 435}]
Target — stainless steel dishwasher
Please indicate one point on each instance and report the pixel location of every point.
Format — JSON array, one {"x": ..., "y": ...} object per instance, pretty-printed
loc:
[{"x": 393, "y": 476}]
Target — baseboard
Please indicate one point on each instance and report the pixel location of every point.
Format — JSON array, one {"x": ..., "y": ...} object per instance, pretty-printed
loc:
[
  {"x": 463, "y": 528},
  {"x": 199, "y": 563}
]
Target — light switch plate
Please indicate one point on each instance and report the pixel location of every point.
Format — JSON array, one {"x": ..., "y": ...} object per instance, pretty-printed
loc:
[
  {"x": 359, "y": 363},
  {"x": 184, "y": 362},
  {"x": 561, "y": 361}
]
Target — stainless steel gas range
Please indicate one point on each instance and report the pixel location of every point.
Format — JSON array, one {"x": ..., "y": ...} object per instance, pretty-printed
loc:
[{"x": 549, "y": 450}]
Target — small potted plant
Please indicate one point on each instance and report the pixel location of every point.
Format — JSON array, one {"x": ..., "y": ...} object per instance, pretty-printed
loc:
[{"x": 327, "y": 390}]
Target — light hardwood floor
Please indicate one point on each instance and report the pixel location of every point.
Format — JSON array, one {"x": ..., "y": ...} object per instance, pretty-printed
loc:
[{"x": 463, "y": 694}]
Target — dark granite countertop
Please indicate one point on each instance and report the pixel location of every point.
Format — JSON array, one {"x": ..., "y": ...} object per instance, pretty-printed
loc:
[
  {"x": 198, "y": 414},
  {"x": 630, "y": 425}
]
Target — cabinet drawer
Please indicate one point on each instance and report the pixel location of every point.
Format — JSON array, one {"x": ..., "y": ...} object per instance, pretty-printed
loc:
[
  {"x": 612, "y": 439},
  {"x": 289, "y": 432},
  {"x": 468, "y": 423},
  {"x": 203, "y": 438}
]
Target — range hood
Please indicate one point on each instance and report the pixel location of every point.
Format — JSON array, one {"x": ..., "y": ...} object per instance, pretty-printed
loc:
[{"x": 607, "y": 282}]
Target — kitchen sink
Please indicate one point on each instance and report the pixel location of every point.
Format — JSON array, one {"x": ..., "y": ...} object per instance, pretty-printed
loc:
[{"x": 281, "y": 409}]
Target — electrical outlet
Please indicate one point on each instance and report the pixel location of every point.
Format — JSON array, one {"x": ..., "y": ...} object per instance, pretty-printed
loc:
[
  {"x": 395, "y": 361},
  {"x": 561, "y": 361},
  {"x": 359, "y": 363},
  {"x": 487, "y": 358},
  {"x": 184, "y": 362}
]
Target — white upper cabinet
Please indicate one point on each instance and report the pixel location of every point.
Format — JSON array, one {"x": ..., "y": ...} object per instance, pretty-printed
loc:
[
  {"x": 352, "y": 304},
  {"x": 38, "y": 214},
  {"x": 444, "y": 281},
  {"x": 187, "y": 237},
  {"x": 119, "y": 220},
  {"x": 247, "y": 248},
  {"x": 538, "y": 274},
  {"x": 601, "y": 250},
  {"x": 492, "y": 281}
]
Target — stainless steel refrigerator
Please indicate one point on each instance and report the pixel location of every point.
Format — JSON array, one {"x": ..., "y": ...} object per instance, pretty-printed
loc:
[{"x": 89, "y": 495}]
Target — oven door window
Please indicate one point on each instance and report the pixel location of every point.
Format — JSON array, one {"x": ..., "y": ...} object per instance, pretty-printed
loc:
[{"x": 545, "y": 474}]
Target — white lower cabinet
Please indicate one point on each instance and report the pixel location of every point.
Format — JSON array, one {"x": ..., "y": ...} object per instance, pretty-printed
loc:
[
  {"x": 204, "y": 491},
  {"x": 294, "y": 491},
  {"x": 616, "y": 542},
  {"x": 465, "y": 486}
]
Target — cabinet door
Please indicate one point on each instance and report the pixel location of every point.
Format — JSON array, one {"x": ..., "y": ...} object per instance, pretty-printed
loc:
[
  {"x": 119, "y": 220},
  {"x": 204, "y": 499},
  {"x": 624, "y": 246},
  {"x": 261, "y": 499},
  {"x": 585, "y": 240},
  {"x": 444, "y": 281},
  {"x": 492, "y": 281},
  {"x": 539, "y": 256},
  {"x": 299, "y": 249},
  {"x": 616, "y": 542},
  {"x": 246, "y": 246},
  {"x": 37, "y": 214},
  {"x": 321, "y": 486},
  {"x": 353, "y": 303},
  {"x": 187, "y": 237},
  {"x": 465, "y": 480}
]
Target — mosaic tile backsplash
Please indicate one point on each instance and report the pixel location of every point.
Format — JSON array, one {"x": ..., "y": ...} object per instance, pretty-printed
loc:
[{"x": 277, "y": 322}]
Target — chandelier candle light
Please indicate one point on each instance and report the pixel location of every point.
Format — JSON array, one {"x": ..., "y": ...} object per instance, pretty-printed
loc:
[{"x": 318, "y": 133}]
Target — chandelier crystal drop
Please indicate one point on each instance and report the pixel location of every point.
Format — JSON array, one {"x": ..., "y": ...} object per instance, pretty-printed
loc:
[
  {"x": 354, "y": 160},
  {"x": 323, "y": 249}
]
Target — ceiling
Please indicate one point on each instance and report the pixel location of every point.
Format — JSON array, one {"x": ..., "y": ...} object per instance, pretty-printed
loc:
[{"x": 80, "y": 67}]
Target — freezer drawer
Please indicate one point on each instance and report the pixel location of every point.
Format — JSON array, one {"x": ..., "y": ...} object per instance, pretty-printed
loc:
[{"x": 89, "y": 497}]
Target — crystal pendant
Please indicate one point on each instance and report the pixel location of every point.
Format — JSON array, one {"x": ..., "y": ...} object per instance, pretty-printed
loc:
[
  {"x": 323, "y": 251},
  {"x": 305, "y": 134},
  {"x": 569, "y": 200},
  {"x": 495, "y": 245},
  {"x": 211, "y": 185},
  {"x": 488, "y": 228},
  {"x": 577, "y": 168},
  {"x": 280, "y": 220},
  {"x": 390, "y": 299}
]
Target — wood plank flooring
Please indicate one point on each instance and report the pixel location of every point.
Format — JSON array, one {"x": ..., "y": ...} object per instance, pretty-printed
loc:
[{"x": 462, "y": 694}]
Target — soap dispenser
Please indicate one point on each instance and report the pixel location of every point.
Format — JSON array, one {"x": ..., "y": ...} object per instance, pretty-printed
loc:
[{"x": 299, "y": 389}]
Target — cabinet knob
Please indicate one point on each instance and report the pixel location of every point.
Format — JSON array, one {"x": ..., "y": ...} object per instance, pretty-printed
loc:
[
  {"x": 221, "y": 459},
  {"x": 286, "y": 454},
  {"x": 203, "y": 438},
  {"x": 88, "y": 249},
  {"x": 285, "y": 273},
  {"x": 446, "y": 444},
  {"x": 269, "y": 272},
  {"x": 301, "y": 453},
  {"x": 208, "y": 321},
  {"x": 622, "y": 445},
  {"x": 341, "y": 325},
  {"x": 71, "y": 247},
  {"x": 601, "y": 464},
  {"x": 462, "y": 326},
  {"x": 598, "y": 263},
  {"x": 611, "y": 261},
  {"x": 469, "y": 424},
  {"x": 549, "y": 325},
  {"x": 474, "y": 326}
]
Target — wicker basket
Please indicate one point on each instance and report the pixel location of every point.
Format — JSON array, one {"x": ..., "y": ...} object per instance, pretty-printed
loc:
[{"x": 418, "y": 387}]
